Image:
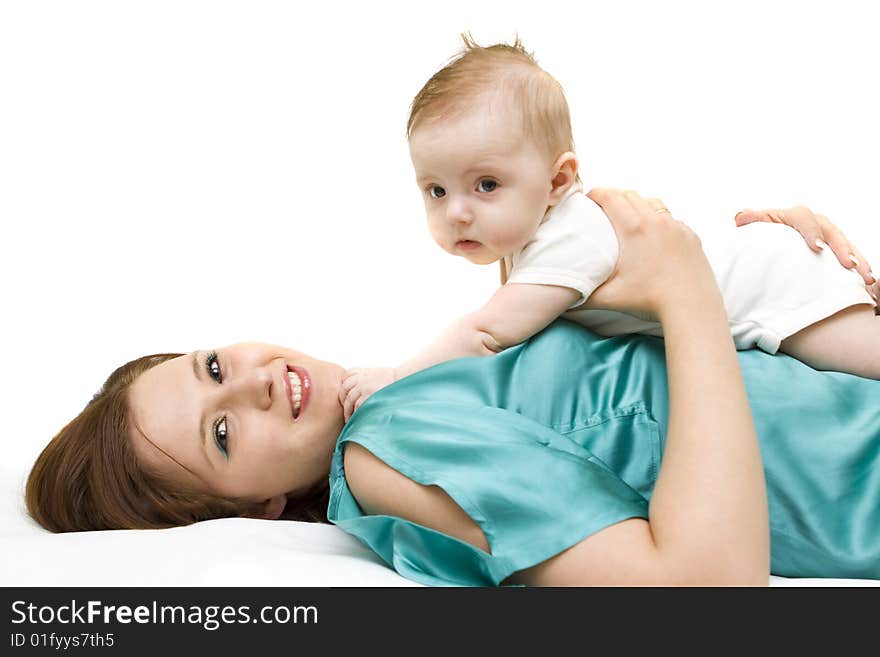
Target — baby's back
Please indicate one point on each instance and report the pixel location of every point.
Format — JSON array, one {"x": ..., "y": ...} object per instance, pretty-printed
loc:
[{"x": 773, "y": 286}]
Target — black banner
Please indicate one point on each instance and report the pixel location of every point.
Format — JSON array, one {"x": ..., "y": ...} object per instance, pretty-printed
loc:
[{"x": 243, "y": 621}]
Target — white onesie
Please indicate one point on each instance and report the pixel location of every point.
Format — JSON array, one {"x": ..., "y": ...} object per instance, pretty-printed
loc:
[{"x": 772, "y": 284}]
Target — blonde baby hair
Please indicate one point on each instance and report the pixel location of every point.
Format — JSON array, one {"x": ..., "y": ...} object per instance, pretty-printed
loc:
[{"x": 508, "y": 68}]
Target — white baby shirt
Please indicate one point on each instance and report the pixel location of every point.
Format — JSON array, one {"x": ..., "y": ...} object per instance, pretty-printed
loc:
[{"x": 772, "y": 284}]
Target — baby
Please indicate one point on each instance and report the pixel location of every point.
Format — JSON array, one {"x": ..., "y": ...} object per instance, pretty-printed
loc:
[{"x": 490, "y": 140}]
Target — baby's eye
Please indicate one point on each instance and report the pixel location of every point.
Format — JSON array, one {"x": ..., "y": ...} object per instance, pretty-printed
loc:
[
  {"x": 436, "y": 191},
  {"x": 487, "y": 185},
  {"x": 213, "y": 367},
  {"x": 220, "y": 435}
]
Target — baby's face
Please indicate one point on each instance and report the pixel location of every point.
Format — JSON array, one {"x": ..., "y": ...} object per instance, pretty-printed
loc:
[{"x": 486, "y": 186}]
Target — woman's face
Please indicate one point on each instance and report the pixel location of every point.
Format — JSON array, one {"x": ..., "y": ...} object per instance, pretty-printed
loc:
[{"x": 249, "y": 422}]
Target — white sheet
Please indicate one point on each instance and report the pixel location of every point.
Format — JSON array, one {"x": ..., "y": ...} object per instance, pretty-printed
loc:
[{"x": 228, "y": 552}]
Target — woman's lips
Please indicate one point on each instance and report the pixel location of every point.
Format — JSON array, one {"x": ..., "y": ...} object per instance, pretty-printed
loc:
[{"x": 302, "y": 387}]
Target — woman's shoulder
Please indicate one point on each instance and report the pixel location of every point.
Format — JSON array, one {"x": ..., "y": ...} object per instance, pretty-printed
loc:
[
  {"x": 623, "y": 547},
  {"x": 381, "y": 490}
]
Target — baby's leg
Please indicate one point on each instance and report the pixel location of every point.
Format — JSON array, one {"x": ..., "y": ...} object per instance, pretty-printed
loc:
[{"x": 848, "y": 341}]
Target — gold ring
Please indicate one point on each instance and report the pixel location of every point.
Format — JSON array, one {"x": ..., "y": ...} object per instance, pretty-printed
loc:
[{"x": 662, "y": 210}]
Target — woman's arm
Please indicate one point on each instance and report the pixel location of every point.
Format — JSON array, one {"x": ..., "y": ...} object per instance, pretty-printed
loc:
[
  {"x": 708, "y": 513},
  {"x": 707, "y": 521}
]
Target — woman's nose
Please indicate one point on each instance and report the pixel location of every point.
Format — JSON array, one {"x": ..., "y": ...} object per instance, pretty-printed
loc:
[{"x": 253, "y": 388}]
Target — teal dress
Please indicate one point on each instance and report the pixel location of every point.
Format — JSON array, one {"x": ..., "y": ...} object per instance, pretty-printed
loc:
[{"x": 553, "y": 440}]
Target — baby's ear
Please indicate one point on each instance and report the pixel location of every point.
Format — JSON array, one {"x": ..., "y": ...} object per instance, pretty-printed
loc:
[
  {"x": 268, "y": 509},
  {"x": 565, "y": 174}
]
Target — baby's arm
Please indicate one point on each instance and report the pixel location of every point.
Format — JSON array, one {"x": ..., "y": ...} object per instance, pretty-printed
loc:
[{"x": 515, "y": 312}]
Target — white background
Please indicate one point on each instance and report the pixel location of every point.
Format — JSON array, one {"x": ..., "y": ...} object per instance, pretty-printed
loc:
[{"x": 181, "y": 175}]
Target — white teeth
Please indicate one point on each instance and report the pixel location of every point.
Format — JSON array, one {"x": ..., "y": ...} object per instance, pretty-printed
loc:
[
  {"x": 294, "y": 380},
  {"x": 296, "y": 390}
]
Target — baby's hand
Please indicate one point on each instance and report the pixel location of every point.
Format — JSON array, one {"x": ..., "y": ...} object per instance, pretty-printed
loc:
[{"x": 361, "y": 382}]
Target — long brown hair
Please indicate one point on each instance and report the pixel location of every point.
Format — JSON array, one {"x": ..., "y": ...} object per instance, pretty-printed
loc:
[{"x": 88, "y": 477}]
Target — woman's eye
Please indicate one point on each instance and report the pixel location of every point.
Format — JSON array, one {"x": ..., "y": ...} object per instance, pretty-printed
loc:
[
  {"x": 436, "y": 191},
  {"x": 487, "y": 186},
  {"x": 213, "y": 367},
  {"x": 220, "y": 435}
]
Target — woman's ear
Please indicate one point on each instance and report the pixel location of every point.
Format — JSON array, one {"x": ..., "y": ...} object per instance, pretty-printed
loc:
[
  {"x": 268, "y": 509},
  {"x": 564, "y": 175}
]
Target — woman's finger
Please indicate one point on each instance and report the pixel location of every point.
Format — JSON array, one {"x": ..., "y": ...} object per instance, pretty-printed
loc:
[
  {"x": 817, "y": 231},
  {"x": 863, "y": 267},
  {"x": 846, "y": 253},
  {"x": 774, "y": 216},
  {"x": 840, "y": 246},
  {"x": 658, "y": 260},
  {"x": 744, "y": 217},
  {"x": 658, "y": 206},
  {"x": 804, "y": 222},
  {"x": 614, "y": 204},
  {"x": 747, "y": 216},
  {"x": 874, "y": 290},
  {"x": 800, "y": 218},
  {"x": 646, "y": 207},
  {"x": 650, "y": 209},
  {"x": 807, "y": 224}
]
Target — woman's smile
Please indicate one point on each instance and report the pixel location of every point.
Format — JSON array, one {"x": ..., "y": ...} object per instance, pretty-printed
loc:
[{"x": 298, "y": 384}]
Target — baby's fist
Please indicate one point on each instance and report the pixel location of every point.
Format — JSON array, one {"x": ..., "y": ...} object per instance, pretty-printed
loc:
[{"x": 361, "y": 382}]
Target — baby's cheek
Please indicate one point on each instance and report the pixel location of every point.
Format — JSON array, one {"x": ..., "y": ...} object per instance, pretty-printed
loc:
[
  {"x": 439, "y": 236},
  {"x": 435, "y": 228},
  {"x": 510, "y": 236},
  {"x": 443, "y": 244}
]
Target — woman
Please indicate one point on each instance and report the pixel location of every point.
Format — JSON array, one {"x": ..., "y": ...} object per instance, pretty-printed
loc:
[{"x": 538, "y": 466}]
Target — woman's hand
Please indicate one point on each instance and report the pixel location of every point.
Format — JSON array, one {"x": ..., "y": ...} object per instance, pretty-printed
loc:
[
  {"x": 661, "y": 261},
  {"x": 817, "y": 232},
  {"x": 708, "y": 512}
]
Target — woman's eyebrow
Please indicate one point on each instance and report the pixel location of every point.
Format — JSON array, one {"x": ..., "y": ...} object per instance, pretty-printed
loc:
[
  {"x": 195, "y": 364},
  {"x": 197, "y": 372}
]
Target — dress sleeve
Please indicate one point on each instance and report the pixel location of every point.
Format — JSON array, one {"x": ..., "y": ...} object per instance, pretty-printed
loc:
[
  {"x": 576, "y": 247},
  {"x": 533, "y": 491}
]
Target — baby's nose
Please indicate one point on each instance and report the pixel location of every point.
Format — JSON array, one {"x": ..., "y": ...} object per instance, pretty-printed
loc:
[{"x": 458, "y": 211}]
